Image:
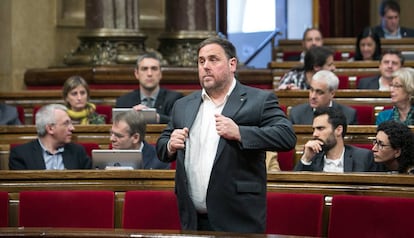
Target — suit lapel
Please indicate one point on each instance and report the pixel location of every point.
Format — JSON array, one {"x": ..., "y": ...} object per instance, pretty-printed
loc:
[
  {"x": 38, "y": 155},
  {"x": 191, "y": 109},
  {"x": 348, "y": 161},
  {"x": 235, "y": 101}
]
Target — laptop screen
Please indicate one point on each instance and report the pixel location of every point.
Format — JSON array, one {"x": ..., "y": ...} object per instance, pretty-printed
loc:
[{"x": 116, "y": 159}]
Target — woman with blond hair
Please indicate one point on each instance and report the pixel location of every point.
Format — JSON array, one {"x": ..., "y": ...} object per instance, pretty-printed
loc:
[
  {"x": 402, "y": 97},
  {"x": 76, "y": 96}
]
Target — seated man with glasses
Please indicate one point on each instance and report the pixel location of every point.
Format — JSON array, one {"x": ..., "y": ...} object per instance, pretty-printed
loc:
[
  {"x": 327, "y": 152},
  {"x": 323, "y": 87},
  {"x": 128, "y": 133},
  {"x": 52, "y": 150},
  {"x": 394, "y": 146}
]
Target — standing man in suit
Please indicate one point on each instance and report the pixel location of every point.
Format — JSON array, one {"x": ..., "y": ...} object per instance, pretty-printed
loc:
[
  {"x": 150, "y": 94},
  {"x": 128, "y": 133},
  {"x": 321, "y": 94},
  {"x": 327, "y": 151},
  {"x": 390, "y": 22},
  {"x": 219, "y": 137},
  {"x": 53, "y": 149},
  {"x": 391, "y": 60}
]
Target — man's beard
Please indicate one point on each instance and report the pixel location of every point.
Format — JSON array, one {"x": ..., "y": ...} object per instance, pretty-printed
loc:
[{"x": 329, "y": 143}]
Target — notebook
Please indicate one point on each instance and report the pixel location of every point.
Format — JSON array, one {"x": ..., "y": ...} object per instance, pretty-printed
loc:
[
  {"x": 150, "y": 114},
  {"x": 116, "y": 159}
]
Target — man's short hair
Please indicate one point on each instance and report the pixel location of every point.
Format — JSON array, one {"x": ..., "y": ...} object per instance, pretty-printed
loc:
[
  {"x": 388, "y": 5},
  {"x": 135, "y": 120},
  {"x": 335, "y": 117},
  {"x": 308, "y": 30},
  {"x": 328, "y": 77},
  {"x": 148, "y": 55},
  {"x": 46, "y": 116},
  {"x": 393, "y": 52}
]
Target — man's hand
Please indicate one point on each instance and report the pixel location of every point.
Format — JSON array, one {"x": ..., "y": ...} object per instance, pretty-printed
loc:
[
  {"x": 227, "y": 128},
  {"x": 311, "y": 148},
  {"x": 177, "y": 140},
  {"x": 139, "y": 107}
]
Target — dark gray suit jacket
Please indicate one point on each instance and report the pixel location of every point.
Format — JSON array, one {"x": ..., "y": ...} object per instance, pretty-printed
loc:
[
  {"x": 302, "y": 114},
  {"x": 355, "y": 160},
  {"x": 236, "y": 194},
  {"x": 163, "y": 104},
  {"x": 369, "y": 82},
  {"x": 8, "y": 115},
  {"x": 405, "y": 32},
  {"x": 29, "y": 156}
]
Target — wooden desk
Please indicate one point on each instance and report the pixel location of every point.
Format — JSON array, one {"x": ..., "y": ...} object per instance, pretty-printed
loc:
[
  {"x": 117, "y": 233},
  {"x": 99, "y": 134},
  {"x": 328, "y": 184}
]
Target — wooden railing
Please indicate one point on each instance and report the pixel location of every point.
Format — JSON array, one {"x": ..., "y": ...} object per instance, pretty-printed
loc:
[
  {"x": 328, "y": 184},
  {"x": 100, "y": 134},
  {"x": 340, "y": 44}
]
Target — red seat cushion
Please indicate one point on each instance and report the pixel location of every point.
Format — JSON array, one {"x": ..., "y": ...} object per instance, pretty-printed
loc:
[
  {"x": 370, "y": 216},
  {"x": 365, "y": 114},
  {"x": 84, "y": 209},
  {"x": 294, "y": 214},
  {"x": 4, "y": 209},
  {"x": 150, "y": 209}
]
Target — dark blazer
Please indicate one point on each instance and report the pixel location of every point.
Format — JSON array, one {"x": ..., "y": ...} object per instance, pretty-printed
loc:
[
  {"x": 405, "y": 32},
  {"x": 30, "y": 156},
  {"x": 302, "y": 114},
  {"x": 369, "y": 82},
  {"x": 8, "y": 115},
  {"x": 150, "y": 158},
  {"x": 355, "y": 160},
  {"x": 236, "y": 194},
  {"x": 163, "y": 104}
]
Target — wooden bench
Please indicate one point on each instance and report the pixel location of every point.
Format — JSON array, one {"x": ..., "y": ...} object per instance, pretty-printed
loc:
[
  {"x": 327, "y": 184},
  {"x": 100, "y": 134},
  {"x": 339, "y": 45},
  {"x": 122, "y": 77}
]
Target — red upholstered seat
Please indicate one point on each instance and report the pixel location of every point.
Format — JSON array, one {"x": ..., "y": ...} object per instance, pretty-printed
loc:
[
  {"x": 343, "y": 82},
  {"x": 370, "y": 216},
  {"x": 294, "y": 214},
  {"x": 289, "y": 54},
  {"x": 150, "y": 209},
  {"x": 105, "y": 110},
  {"x": 4, "y": 209},
  {"x": 89, "y": 146},
  {"x": 84, "y": 209},
  {"x": 20, "y": 113},
  {"x": 365, "y": 114},
  {"x": 286, "y": 160}
]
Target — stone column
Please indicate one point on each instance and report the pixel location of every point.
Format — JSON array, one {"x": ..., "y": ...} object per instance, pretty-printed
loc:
[
  {"x": 111, "y": 36},
  {"x": 188, "y": 22}
]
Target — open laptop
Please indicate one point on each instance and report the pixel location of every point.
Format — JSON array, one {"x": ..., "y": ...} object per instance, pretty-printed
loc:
[
  {"x": 116, "y": 159},
  {"x": 150, "y": 114}
]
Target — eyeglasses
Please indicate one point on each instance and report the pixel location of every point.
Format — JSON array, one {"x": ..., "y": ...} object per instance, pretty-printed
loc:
[
  {"x": 380, "y": 144},
  {"x": 117, "y": 135},
  {"x": 396, "y": 85}
]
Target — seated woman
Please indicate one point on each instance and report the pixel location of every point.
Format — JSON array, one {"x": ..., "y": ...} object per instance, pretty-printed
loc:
[
  {"x": 402, "y": 97},
  {"x": 317, "y": 58},
  {"x": 76, "y": 96},
  {"x": 368, "y": 46},
  {"x": 393, "y": 147}
]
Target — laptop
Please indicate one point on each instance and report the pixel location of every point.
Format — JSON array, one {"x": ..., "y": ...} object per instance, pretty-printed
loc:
[
  {"x": 150, "y": 114},
  {"x": 117, "y": 159}
]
